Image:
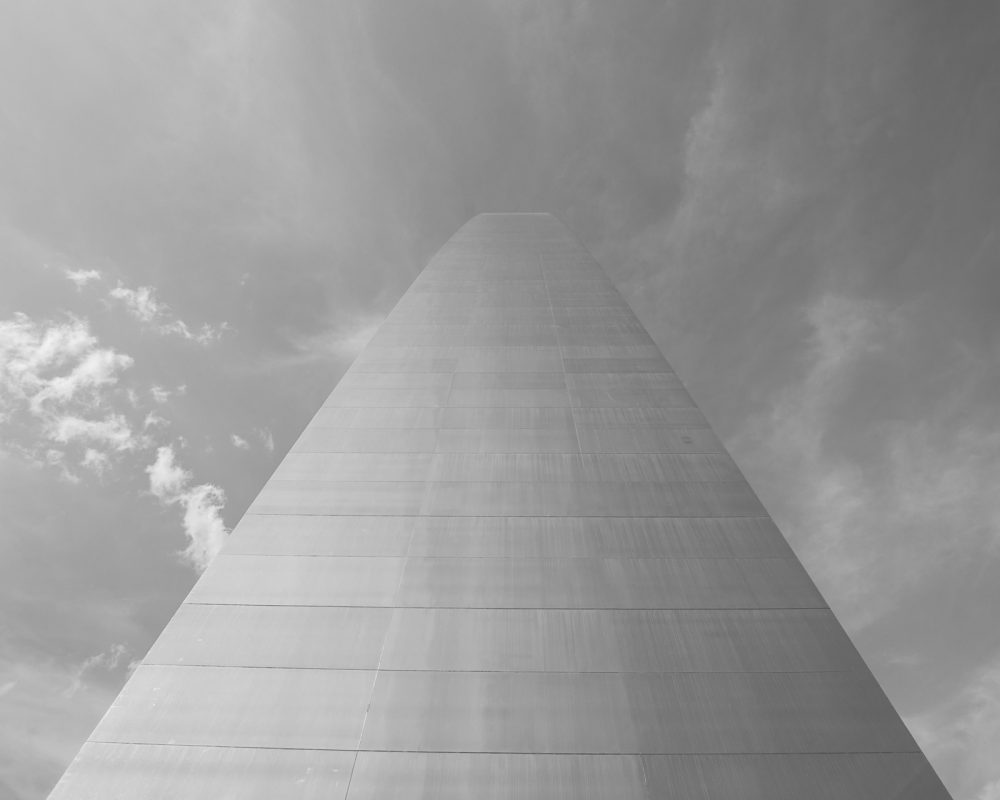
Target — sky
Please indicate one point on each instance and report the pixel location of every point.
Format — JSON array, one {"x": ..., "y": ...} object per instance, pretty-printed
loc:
[{"x": 207, "y": 208}]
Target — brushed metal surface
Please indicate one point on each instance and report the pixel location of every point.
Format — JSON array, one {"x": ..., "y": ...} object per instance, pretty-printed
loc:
[
  {"x": 499, "y": 776},
  {"x": 519, "y": 712},
  {"x": 299, "y": 580},
  {"x": 239, "y": 707},
  {"x": 296, "y": 636},
  {"x": 535, "y": 640},
  {"x": 262, "y": 534},
  {"x": 507, "y": 558},
  {"x": 496, "y": 776},
  {"x": 106, "y": 771}
]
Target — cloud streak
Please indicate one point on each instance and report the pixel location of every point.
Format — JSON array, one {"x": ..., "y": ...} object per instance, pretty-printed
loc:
[
  {"x": 201, "y": 505},
  {"x": 157, "y": 316}
]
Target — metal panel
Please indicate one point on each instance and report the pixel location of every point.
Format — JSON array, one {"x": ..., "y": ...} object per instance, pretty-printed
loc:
[
  {"x": 508, "y": 440},
  {"x": 781, "y": 582},
  {"x": 581, "y": 537},
  {"x": 295, "y": 534},
  {"x": 632, "y": 713},
  {"x": 612, "y": 365},
  {"x": 324, "y": 497},
  {"x": 605, "y": 350},
  {"x": 648, "y": 440},
  {"x": 531, "y": 398},
  {"x": 508, "y": 380},
  {"x": 499, "y": 776},
  {"x": 222, "y": 706},
  {"x": 623, "y": 390},
  {"x": 533, "y": 640},
  {"x": 299, "y": 580},
  {"x": 649, "y": 418},
  {"x": 496, "y": 776},
  {"x": 272, "y": 636},
  {"x": 575, "y": 583},
  {"x": 105, "y": 771},
  {"x": 516, "y": 466},
  {"x": 832, "y": 776},
  {"x": 394, "y": 380},
  {"x": 399, "y": 398},
  {"x": 316, "y": 439},
  {"x": 650, "y": 499}
]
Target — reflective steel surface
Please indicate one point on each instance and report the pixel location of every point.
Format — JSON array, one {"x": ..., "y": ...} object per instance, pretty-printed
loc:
[{"x": 507, "y": 558}]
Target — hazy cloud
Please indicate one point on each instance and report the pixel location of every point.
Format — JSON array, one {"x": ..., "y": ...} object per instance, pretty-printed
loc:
[
  {"x": 965, "y": 730},
  {"x": 108, "y": 660},
  {"x": 266, "y": 438},
  {"x": 990, "y": 792},
  {"x": 913, "y": 483},
  {"x": 143, "y": 305},
  {"x": 202, "y": 506},
  {"x": 239, "y": 442},
  {"x": 81, "y": 277},
  {"x": 96, "y": 461}
]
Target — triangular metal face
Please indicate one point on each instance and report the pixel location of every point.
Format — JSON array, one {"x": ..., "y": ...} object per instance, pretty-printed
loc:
[{"x": 508, "y": 558}]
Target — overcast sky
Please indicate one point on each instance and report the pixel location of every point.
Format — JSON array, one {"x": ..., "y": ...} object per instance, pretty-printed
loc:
[{"x": 205, "y": 208}]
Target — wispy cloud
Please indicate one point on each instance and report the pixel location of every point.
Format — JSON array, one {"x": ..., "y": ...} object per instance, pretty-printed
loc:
[
  {"x": 202, "y": 506},
  {"x": 97, "y": 368},
  {"x": 239, "y": 442},
  {"x": 913, "y": 482},
  {"x": 81, "y": 277},
  {"x": 113, "y": 431},
  {"x": 96, "y": 461},
  {"x": 143, "y": 305},
  {"x": 109, "y": 660},
  {"x": 161, "y": 395},
  {"x": 964, "y": 730},
  {"x": 350, "y": 338},
  {"x": 266, "y": 438}
]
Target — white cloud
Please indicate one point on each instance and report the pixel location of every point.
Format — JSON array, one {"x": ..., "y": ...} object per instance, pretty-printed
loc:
[
  {"x": 166, "y": 478},
  {"x": 108, "y": 660},
  {"x": 154, "y": 420},
  {"x": 99, "y": 367},
  {"x": 113, "y": 431},
  {"x": 266, "y": 438},
  {"x": 239, "y": 442},
  {"x": 81, "y": 277},
  {"x": 160, "y": 395},
  {"x": 202, "y": 506},
  {"x": 203, "y": 524},
  {"x": 143, "y": 305},
  {"x": 30, "y": 352},
  {"x": 96, "y": 461},
  {"x": 54, "y": 376},
  {"x": 140, "y": 303}
]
